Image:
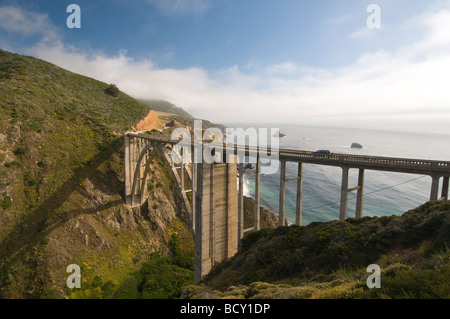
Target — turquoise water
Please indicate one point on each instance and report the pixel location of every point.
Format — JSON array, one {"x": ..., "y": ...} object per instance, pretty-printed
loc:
[{"x": 386, "y": 193}]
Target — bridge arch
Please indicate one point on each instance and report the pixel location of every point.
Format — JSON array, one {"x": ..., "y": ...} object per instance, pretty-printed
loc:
[{"x": 138, "y": 181}]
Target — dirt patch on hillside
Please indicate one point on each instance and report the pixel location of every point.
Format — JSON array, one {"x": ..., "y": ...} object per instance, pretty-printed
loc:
[{"x": 150, "y": 122}]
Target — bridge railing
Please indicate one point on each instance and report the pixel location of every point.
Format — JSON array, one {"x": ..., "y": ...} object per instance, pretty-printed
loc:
[
  {"x": 351, "y": 158},
  {"x": 431, "y": 165}
]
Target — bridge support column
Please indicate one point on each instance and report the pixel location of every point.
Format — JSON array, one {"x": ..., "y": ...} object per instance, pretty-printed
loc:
[
  {"x": 444, "y": 193},
  {"x": 135, "y": 165},
  {"x": 298, "y": 208},
  {"x": 216, "y": 220},
  {"x": 282, "y": 207},
  {"x": 344, "y": 194},
  {"x": 241, "y": 203},
  {"x": 257, "y": 194},
  {"x": 193, "y": 191},
  {"x": 360, "y": 195},
  {"x": 434, "y": 187},
  {"x": 127, "y": 169},
  {"x": 182, "y": 175}
]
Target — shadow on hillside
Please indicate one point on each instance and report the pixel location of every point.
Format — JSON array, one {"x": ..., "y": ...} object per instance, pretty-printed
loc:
[{"x": 30, "y": 232}]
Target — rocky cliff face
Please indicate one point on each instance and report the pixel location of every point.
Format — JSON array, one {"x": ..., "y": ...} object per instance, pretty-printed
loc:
[
  {"x": 61, "y": 185},
  {"x": 267, "y": 218},
  {"x": 95, "y": 230}
]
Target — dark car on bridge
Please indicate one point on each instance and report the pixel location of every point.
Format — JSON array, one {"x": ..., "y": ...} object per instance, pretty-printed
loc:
[{"x": 322, "y": 152}]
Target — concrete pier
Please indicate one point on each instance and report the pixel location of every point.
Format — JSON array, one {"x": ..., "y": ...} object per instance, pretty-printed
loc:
[
  {"x": 241, "y": 203},
  {"x": 434, "y": 186},
  {"x": 360, "y": 195},
  {"x": 282, "y": 206},
  {"x": 344, "y": 194},
  {"x": 299, "y": 199},
  {"x": 444, "y": 194},
  {"x": 257, "y": 212},
  {"x": 216, "y": 216},
  {"x": 257, "y": 217}
]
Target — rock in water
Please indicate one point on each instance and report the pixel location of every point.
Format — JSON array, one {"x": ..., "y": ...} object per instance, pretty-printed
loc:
[{"x": 356, "y": 145}]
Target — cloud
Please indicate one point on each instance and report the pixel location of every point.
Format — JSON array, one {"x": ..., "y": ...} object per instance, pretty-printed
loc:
[
  {"x": 363, "y": 33},
  {"x": 439, "y": 28},
  {"x": 408, "y": 86},
  {"x": 27, "y": 23},
  {"x": 181, "y": 7},
  {"x": 282, "y": 68}
]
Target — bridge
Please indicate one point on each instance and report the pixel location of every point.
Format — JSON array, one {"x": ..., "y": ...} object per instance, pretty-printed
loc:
[{"x": 216, "y": 207}]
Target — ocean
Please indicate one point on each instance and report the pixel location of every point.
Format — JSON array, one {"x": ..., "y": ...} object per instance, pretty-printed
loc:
[{"x": 385, "y": 193}]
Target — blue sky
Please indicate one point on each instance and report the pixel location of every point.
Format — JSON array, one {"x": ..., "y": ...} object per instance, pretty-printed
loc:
[
  {"x": 313, "y": 62},
  {"x": 223, "y": 32}
]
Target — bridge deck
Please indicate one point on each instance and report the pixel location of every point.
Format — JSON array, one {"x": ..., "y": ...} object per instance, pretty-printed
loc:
[{"x": 391, "y": 164}]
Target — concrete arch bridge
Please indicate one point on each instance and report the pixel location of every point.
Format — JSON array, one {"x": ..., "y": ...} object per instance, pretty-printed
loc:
[{"x": 215, "y": 205}]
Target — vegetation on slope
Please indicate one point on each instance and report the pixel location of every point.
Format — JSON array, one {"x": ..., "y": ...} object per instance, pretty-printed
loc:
[
  {"x": 61, "y": 185},
  {"x": 329, "y": 260}
]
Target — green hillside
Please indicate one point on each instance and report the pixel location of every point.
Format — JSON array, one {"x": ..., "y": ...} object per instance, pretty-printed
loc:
[
  {"x": 61, "y": 185},
  {"x": 53, "y": 124},
  {"x": 329, "y": 260}
]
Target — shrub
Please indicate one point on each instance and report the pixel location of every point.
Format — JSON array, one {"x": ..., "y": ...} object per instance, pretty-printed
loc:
[
  {"x": 32, "y": 182},
  {"x": 181, "y": 258},
  {"x": 6, "y": 202},
  {"x": 160, "y": 279},
  {"x": 112, "y": 90},
  {"x": 12, "y": 164},
  {"x": 21, "y": 150},
  {"x": 253, "y": 237}
]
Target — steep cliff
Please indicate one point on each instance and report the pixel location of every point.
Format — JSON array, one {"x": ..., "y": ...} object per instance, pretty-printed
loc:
[{"x": 61, "y": 185}]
